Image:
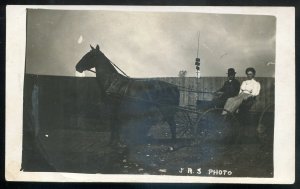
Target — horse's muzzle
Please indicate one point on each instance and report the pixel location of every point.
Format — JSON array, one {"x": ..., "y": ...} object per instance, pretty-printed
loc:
[{"x": 78, "y": 69}]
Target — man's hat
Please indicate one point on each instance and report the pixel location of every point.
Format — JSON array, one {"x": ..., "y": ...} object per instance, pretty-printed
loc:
[{"x": 231, "y": 71}]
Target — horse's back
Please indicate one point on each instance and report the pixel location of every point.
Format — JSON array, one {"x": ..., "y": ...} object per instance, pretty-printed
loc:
[{"x": 156, "y": 91}]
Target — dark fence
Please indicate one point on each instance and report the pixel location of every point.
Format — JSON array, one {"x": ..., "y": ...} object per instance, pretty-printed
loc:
[
  {"x": 63, "y": 102},
  {"x": 76, "y": 102}
]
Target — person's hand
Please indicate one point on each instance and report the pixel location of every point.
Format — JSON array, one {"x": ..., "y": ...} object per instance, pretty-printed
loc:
[
  {"x": 246, "y": 90},
  {"x": 218, "y": 93},
  {"x": 250, "y": 96}
]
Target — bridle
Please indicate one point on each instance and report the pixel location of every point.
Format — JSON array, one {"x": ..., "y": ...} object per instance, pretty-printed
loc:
[{"x": 114, "y": 65}]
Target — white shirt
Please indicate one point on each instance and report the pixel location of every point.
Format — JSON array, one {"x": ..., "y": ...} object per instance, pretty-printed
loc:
[{"x": 250, "y": 87}]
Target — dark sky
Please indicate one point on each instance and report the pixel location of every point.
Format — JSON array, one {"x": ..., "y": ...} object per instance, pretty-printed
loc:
[{"x": 150, "y": 44}]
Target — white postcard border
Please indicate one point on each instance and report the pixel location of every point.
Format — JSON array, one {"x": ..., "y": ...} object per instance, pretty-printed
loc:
[{"x": 284, "y": 142}]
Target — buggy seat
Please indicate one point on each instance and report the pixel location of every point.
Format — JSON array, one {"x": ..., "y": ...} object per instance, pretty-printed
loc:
[
  {"x": 203, "y": 105},
  {"x": 246, "y": 105},
  {"x": 243, "y": 113}
]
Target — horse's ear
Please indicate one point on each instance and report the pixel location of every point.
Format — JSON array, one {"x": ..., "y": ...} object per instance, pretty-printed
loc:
[
  {"x": 98, "y": 48},
  {"x": 92, "y": 47}
]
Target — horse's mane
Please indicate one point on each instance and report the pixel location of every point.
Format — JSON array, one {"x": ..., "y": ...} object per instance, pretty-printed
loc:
[
  {"x": 114, "y": 67},
  {"x": 108, "y": 62}
]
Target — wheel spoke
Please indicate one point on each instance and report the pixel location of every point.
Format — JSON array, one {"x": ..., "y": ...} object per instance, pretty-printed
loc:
[
  {"x": 185, "y": 122},
  {"x": 213, "y": 129}
]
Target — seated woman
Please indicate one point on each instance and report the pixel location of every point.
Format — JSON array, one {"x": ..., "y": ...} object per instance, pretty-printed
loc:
[{"x": 249, "y": 88}]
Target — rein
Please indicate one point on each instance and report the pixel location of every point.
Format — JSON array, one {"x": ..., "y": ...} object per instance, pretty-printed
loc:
[
  {"x": 118, "y": 69},
  {"x": 91, "y": 71},
  {"x": 181, "y": 88},
  {"x": 115, "y": 67}
]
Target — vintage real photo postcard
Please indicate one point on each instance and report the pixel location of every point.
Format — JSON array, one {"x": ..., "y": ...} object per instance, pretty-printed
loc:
[{"x": 150, "y": 94}]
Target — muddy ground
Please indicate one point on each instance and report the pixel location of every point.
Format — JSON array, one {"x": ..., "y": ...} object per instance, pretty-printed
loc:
[{"x": 84, "y": 151}]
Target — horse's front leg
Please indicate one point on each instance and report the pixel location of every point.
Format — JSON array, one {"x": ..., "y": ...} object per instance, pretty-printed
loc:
[
  {"x": 115, "y": 126},
  {"x": 114, "y": 131}
]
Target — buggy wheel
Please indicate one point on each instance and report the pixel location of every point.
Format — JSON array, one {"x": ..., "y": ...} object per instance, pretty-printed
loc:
[
  {"x": 185, "y": 123},
  {"x": 218, "y": 132},
  {"x": 265, "y": 128}
]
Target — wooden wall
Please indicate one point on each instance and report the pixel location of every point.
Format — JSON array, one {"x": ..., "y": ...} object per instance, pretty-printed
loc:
[{"x": 193, "y": 89}]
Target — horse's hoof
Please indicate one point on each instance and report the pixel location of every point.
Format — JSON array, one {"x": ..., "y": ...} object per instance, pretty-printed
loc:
[
  {"x": 149, "y": 139},
  {"x": 171, "y": 148},
  {"x": 118, "y": 145},
  {"x": 122, "y": 145}
]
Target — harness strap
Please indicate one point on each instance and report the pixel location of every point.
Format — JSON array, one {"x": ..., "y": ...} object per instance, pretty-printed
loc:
[
  {"x": 91, "y": 71},
  {"x": 115, "y": 67},
  {"x": 118, "y": 68},
  {"x": 128, "y": 85}
]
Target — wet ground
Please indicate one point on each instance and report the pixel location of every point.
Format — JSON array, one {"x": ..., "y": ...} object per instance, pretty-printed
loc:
[{"x": 82, "y": 151}]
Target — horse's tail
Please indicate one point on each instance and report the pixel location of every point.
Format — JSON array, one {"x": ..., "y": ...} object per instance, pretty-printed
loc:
[{"x": 176, "y": 95}]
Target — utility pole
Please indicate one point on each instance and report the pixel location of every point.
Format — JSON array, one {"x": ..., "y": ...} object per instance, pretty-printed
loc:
[{"x": 197, "y": 63}]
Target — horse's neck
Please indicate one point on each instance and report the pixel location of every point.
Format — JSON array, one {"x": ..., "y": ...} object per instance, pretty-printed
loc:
[{"x": 105, "y": 76}]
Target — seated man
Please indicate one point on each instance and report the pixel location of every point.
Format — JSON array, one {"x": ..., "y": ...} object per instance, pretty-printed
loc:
[
  {"x": 249, "y": 88},
  {"x": 230, "y": 88}
]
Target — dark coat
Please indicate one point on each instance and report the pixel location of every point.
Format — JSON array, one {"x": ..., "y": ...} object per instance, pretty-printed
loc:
[{"x": 230, "y": 89}]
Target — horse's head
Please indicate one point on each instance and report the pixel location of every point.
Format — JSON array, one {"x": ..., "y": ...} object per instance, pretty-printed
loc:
[{"x": 89, "y": 60}]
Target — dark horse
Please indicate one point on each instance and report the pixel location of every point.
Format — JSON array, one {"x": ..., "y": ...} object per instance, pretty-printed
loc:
[{"x": 127, "y": 96}]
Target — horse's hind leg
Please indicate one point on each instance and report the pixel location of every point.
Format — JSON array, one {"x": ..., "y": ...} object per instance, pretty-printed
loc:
[
  {"x": 172, "y": 125},
  {"x": 115, "y": 131},
  {"x": 168, "y": 113}
]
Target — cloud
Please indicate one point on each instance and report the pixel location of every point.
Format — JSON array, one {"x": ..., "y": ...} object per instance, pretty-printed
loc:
[{"x": 150, "y": 44}]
